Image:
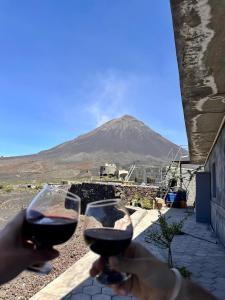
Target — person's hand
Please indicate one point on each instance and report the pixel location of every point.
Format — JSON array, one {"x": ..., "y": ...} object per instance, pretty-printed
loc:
[
  {"x": 150, "y": 278},
  {"x": 16, "y": 253}
]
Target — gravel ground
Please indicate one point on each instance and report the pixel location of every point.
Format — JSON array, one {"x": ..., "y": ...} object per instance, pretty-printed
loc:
[
  {"x": 27, "y": 284},
  {"x": 12, "y": 203}
]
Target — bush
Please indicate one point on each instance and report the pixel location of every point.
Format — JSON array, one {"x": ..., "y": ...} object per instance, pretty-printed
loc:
[
  {"x": 146, "y": 203},
  {"x": 8, "y": 189},
  {"x": 185, "y": 272},
  {"x": 39, "y": 187},
  {"x": 135, "y": 201},
  {"x": 163, "y": 236},
  {"x": 142, "y": 202}
]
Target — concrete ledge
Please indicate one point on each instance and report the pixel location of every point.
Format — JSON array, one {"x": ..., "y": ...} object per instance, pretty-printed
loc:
[{"x": 79, "y": 272}]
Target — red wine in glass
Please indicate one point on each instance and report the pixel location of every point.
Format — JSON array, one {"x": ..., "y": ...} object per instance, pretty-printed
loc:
[
  {"x": 107, "y": 242},
  {"x": 51, "y": 219},
  {"x": 108, "y": 232},
  {"x": 51, "y": 230}
]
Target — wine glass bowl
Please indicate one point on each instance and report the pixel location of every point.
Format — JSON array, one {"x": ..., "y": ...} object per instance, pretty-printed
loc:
[
  {"x": 108, "y": 232},
  {"x": 51, "y": 219}
]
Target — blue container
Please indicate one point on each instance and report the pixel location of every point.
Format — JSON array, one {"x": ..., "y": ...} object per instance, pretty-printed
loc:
[
  {"x": 171, "y": 197},
  {"x": 176, "y": 199}
]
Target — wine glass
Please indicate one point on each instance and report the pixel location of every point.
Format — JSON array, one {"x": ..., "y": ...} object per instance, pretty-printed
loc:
[
  {"x": 108, "y": 232},
  {"x": 51, "y": 219}
]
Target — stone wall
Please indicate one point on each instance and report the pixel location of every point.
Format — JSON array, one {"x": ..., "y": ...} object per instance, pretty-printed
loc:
[
  {"x": 216, "y": 161},
  {"x": 89, "y": 192}
]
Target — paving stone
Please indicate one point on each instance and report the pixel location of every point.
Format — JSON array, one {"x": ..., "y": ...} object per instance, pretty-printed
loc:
[
  {"x": 219, "y": 294},
  {"x": 91, "y": 290},
  {"x": 107, "y": 291},
  {"x": 101, "y": 297},
  {"x": 78, "y": 290},
  {"x": 80, "y": 297},
  {"x": 97, "y": 283},
  {"x": 195, "y": 278},
  {"x": 200, "y": 254},
  {"x": 220, "y": 286},
  {"x": 121, "y": 298},
  {"x": 195, "y": 269},
  {"x": 205, "y": 281},
  {"x": 220, "y": 280},
  {"x": 211, "y": 289},
  {"x": 88, "y": 282},
  {"x": 68, "y": 297},
  {"x": 208, "y": 275},
  {"x": 219, "y": 273}
]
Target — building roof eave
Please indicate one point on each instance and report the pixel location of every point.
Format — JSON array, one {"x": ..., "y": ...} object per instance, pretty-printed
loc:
[{"x": 200, "y": 40}]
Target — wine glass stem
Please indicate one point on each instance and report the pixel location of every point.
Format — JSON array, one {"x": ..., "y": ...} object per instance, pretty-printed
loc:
[{"x": 106, "y": 267}]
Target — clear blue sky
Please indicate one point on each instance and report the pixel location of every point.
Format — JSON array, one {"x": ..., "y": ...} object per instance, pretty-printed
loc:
[{"x": 68, "y": 66}]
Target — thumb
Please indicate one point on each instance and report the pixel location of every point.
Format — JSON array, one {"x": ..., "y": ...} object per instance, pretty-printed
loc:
[{"x": 124, "y": 264}]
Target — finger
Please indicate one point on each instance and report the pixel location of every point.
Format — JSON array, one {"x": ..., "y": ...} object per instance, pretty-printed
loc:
[
  {"x": 93, "y": 272},
  {"x": 97, "y": 267},
  {"x": 122, "y": 289}
]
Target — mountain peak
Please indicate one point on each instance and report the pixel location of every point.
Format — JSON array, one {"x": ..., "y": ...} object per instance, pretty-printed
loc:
[
  {"x": 127, "y": 117},
  {"x": 124, "y": 118},
  {"x": 125, "y": 137},
  {"x": 121, "y": 123}
]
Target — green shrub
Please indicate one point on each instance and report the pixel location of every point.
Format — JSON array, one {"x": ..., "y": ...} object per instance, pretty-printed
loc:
[
  {"x": 8, "y": 189},
  {"x": 146, "y": 203},
  {"x": 163, "y": 236},
  {"x": 135, "y": 201},
  {"x": 142, "y": 202},
  {"x": 185, "y": 272},
  {"x": 39, "y": 187}
]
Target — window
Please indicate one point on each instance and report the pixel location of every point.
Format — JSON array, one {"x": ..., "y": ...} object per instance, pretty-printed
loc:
[{"x": 214, "y": 180}]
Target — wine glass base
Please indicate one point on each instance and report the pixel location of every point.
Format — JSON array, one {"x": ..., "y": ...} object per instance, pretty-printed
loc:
[{"x": 112, "y": 277}]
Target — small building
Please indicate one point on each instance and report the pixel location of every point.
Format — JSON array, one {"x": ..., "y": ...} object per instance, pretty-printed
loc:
[
  {"x": 109, "y": 170},
  {"x": 122, "y": 174}
]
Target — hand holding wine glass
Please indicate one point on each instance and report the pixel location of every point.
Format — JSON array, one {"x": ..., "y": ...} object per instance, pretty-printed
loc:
[
  {"x": 15, "y": 251},
  {"x": 108, "y": 232},
  {"x": 51, "y": 219}
]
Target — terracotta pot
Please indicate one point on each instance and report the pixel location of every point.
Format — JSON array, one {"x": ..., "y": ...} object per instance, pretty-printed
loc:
[
  {"x": 182, "y": 204},
  {"x": 159, "y": 205}
]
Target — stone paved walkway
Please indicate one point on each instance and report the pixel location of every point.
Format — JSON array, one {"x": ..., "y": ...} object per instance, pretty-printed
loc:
[{"x": 200, "y": 254}]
